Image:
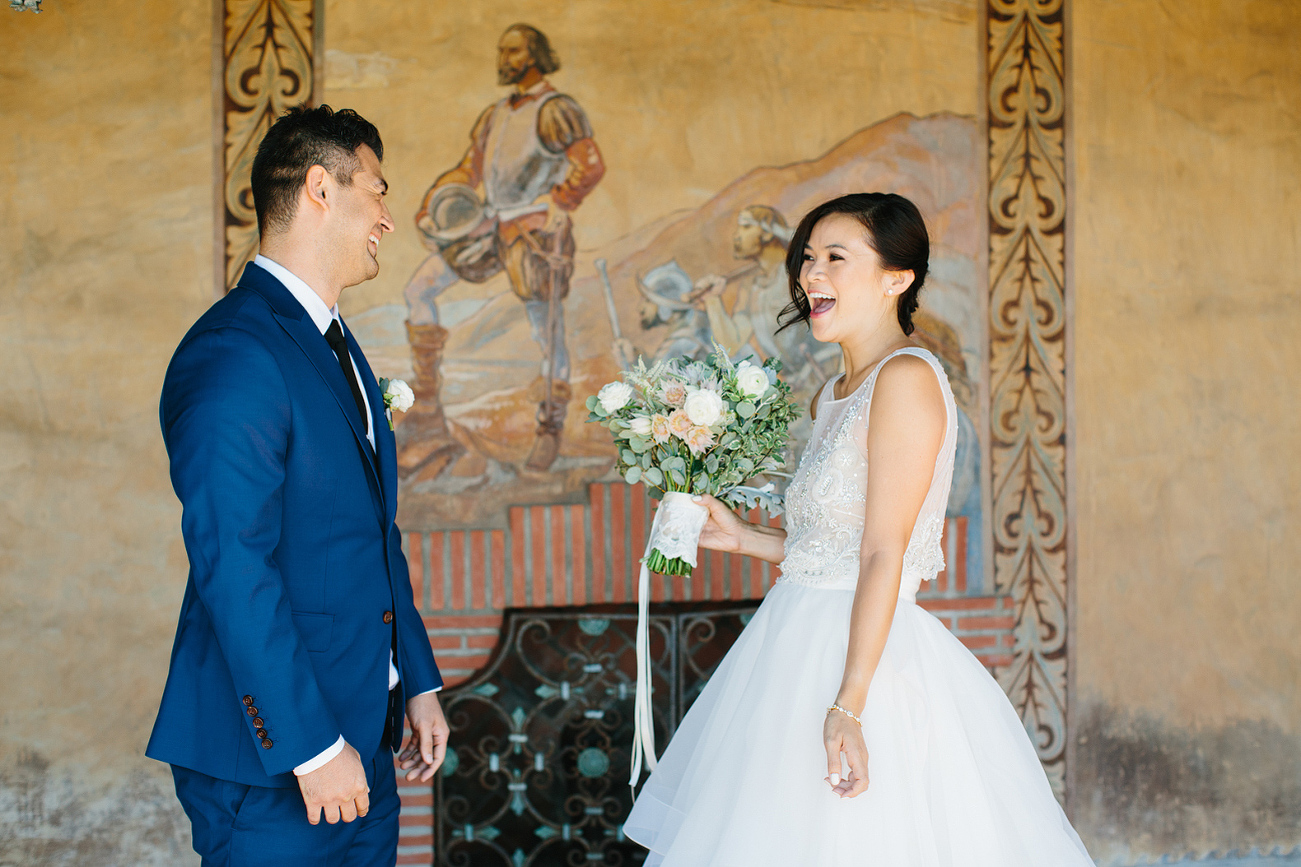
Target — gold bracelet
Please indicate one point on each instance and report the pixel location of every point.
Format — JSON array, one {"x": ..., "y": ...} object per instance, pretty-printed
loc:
[{"x": 846, "y": 713}]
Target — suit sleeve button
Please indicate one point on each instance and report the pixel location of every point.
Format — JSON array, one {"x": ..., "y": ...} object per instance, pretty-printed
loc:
[
  {"x": 266, "y": 743},
  {"x": 261, "y": 733},
  {"x": 252, "y": 711},
  {"x": 388, "y": 616},
  {"x": 257, "y": 724},
  {"x": 248, "y": 701}
]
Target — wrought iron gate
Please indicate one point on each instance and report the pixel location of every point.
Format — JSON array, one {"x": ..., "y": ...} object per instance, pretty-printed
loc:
[{"x": 538, "y": 769}]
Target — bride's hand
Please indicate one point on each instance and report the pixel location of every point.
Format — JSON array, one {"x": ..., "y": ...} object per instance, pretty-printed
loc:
[
  {"x": 840, "y": 734},
  {"x": 723, "y": 530}
]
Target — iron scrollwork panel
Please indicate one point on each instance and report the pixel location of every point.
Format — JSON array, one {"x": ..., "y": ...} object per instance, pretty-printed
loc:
[
  {"x": 537, "y": 772},
  {"x": 704, "y": 637}
]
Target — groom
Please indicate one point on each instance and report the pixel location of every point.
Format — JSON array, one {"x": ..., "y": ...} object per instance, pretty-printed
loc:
[{"x": 298, "y": 645}]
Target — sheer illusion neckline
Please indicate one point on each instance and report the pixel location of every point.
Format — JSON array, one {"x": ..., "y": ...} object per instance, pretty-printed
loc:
[{"x": 831, "y": 390}]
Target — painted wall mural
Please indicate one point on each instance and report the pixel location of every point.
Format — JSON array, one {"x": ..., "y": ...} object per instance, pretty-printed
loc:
[{"x": 544, "y": 245}]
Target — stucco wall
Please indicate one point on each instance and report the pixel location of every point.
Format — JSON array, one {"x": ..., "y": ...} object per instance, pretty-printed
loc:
[
  {"x": 1187, "y": 426},
  {"x": 1186, "y": 298},
  {"x": 105, "y": 260}
]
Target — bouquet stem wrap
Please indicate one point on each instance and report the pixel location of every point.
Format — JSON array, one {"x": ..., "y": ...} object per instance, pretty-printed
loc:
[{"x": 675, "y": 534}]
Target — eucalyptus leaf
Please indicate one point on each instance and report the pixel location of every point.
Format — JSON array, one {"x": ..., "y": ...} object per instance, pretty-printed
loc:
[
  {"x": 654, "y": 477},
  {"x": 745, "y": 409},
  {"x": 633, "y": 476}
]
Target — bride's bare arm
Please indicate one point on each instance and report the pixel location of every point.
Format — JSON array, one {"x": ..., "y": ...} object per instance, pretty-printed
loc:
[
  {"x": 905, "y": 433},
  {"x": 725, "y": 531}
]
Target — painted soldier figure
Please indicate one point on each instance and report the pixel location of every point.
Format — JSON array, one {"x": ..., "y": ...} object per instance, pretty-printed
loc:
[{"x": 531, "y": 161}]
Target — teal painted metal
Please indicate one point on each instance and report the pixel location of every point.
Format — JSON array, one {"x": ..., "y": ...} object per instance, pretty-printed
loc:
[{"x": 540, "y": 769}]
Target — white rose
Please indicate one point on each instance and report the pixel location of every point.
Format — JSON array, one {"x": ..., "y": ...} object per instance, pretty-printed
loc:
[
  {"x": 751, "y": 380},
  {"x": 614, "y": 396},
  {"x": 703, "y": 406},
  {"x": 640, "y": 425},
  {"x": 401, "y": 397}
]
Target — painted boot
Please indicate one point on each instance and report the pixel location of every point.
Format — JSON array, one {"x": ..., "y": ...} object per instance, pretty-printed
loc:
[{"x": 425, "y": 445}]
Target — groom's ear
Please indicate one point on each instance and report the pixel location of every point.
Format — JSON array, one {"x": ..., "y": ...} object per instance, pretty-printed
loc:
[{"x": 319, "y": 189}]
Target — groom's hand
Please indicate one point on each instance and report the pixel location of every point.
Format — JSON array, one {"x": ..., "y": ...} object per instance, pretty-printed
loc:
[
  {"x": 338, "y": 788},
  {"x": 427, "y": 745}
]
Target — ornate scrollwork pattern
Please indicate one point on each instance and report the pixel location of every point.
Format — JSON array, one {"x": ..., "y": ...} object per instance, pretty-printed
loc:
[
  {"x": 538, "y": 768},
  {"x": 267, "y": 69},
  {"x": 1027, "y": 338}
]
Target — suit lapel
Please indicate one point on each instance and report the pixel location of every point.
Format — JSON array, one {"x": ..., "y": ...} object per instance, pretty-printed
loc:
[
  {"x": 385, "y": 445},
  {"x": 299, "y": 326}
]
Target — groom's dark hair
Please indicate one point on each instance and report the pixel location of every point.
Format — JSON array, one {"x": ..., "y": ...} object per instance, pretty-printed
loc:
[{"x": 300, "y": 139}]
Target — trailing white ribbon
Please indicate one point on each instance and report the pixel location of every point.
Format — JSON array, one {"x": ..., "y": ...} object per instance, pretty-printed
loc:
[{"x": 675, "y": 532}]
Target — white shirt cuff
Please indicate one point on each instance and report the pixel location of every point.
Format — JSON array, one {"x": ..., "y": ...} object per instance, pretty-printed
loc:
[
  {"x": 393, "y": 678},
  {"x": 312, "y": 764}
]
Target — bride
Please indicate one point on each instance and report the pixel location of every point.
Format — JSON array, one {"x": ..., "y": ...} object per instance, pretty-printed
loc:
[{"x": 846, "y": 725}]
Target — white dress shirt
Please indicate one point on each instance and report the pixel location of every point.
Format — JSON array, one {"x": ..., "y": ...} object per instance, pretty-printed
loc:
[{"x": 322, "y": 316}]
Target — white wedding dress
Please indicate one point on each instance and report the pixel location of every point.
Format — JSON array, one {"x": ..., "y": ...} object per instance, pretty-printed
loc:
[{"x": 954, "y": 779}]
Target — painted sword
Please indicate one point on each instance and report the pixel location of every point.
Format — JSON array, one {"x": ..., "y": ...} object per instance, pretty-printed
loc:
[{"x": 608, "y": 291}]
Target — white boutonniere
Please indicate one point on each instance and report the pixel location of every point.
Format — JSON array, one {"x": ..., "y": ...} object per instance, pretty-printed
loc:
[{"x": 397, "y": 395}]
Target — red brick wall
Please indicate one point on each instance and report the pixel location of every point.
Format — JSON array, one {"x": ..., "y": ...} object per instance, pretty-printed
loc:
[{"x": 581, "y": 554}]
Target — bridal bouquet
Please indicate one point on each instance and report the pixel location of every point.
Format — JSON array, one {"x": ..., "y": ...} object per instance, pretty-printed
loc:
[
  {"x": 686, "y": 427},
  {"x": 698, "y": 427}
]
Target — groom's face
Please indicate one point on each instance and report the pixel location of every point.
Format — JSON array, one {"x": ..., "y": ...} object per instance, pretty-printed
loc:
[{"x": 361, "y": 220}]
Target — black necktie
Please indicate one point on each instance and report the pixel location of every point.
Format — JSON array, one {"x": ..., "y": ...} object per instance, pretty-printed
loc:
[{"x": 334, "y": 337}]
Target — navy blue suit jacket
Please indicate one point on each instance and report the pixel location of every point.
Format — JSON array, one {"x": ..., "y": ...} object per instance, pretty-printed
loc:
[{"x": 295, "y": 560}]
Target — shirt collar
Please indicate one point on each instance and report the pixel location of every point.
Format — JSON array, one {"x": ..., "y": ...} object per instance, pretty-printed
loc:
[{"x": 321, "y": 315}]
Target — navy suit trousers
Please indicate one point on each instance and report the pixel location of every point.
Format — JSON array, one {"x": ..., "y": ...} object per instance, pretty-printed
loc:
[{"x": 253, "y": 826}]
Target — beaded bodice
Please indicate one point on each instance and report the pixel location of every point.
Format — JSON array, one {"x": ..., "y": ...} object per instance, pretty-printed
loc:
[{"x": 825, "y": 501}]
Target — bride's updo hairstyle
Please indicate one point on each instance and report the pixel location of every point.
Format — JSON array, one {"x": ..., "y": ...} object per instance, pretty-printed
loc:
[{"x": 895, "y": 230}]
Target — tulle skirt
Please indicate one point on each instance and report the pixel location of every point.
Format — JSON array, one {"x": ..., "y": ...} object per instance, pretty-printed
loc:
[{"x": 954, "y": 779}]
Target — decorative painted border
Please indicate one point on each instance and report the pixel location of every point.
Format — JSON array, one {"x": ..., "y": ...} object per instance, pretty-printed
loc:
[
  {"x": 1025, "y": 69},
  {"x": 264, "y": 64}
]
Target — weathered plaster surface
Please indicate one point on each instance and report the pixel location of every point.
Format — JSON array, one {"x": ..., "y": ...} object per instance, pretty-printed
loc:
[
  {"x": 105, "y": 158},
  {"x": 1144, "y": 786},
  {"x": 52, "y": 816},
  {"x": 1187, "y": 427}
]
